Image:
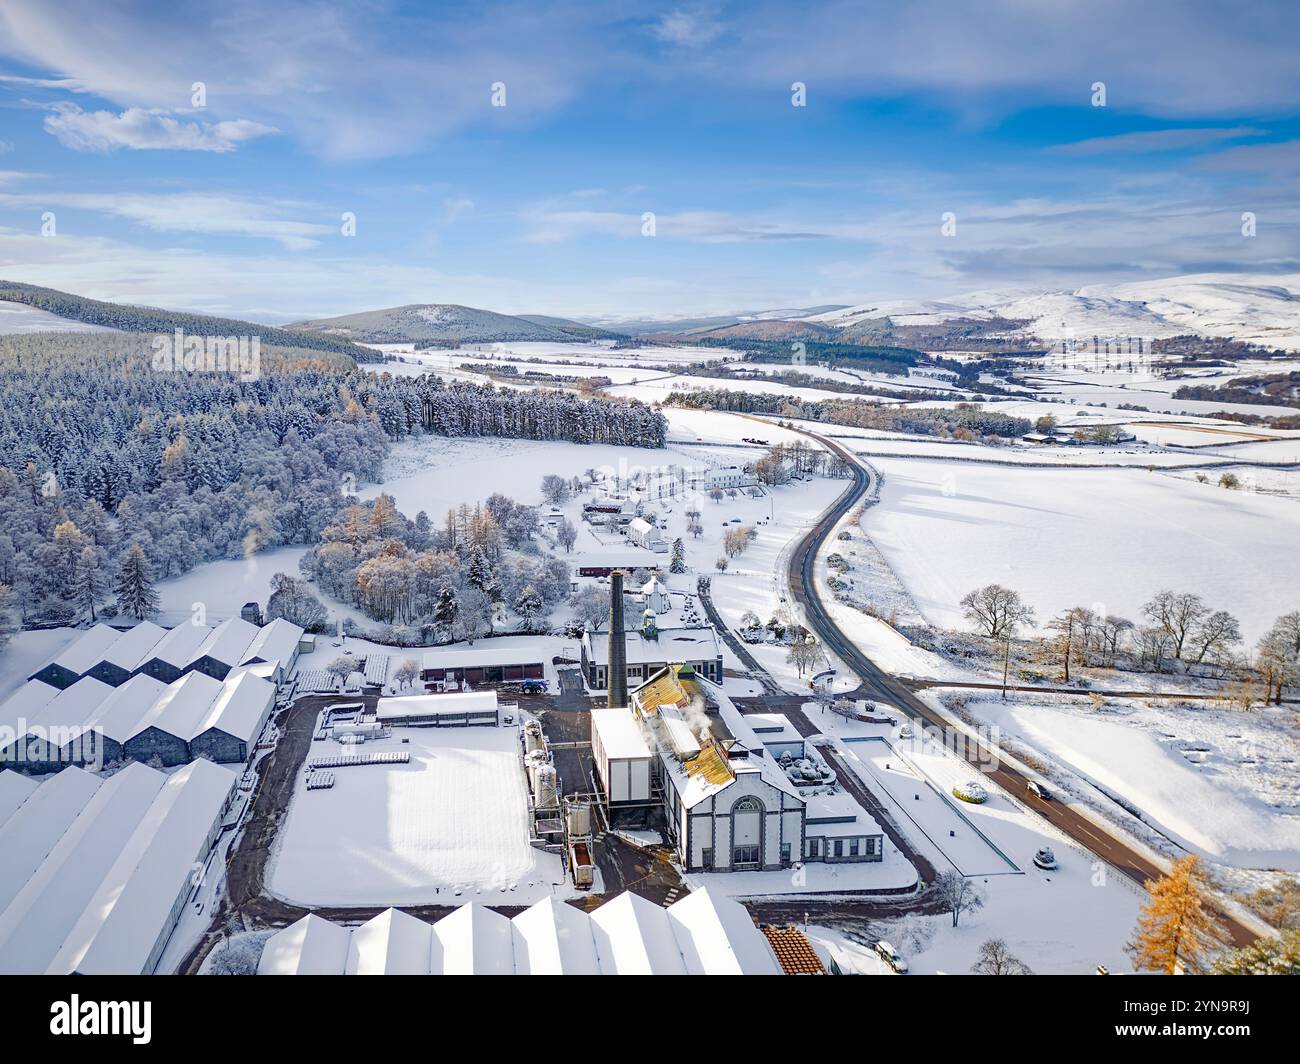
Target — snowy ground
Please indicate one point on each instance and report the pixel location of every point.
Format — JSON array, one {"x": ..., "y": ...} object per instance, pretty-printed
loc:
[
  {"x": 221, "y": 588},
  {"x": 1212, "y": 780},
  {"x": 448, "y": 827},
  {"x": 1069, "y": 537}
]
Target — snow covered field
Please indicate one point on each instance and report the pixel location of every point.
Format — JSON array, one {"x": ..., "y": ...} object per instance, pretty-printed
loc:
[
  {"x": 1069, "y": 537},
  {"x": 1214, "y": 781},
  {"x": 451, "y": 824},
  {"x": 28, "y": 651},
  {"x": 221, "y": 588},
  {"x": 17, "y": 318}
]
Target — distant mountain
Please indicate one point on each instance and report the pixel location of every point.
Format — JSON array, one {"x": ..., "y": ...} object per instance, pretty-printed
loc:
[
  {"x": 1258, "y": 309},
  {"x": 695, "y": 324},
  {"x": 416, "y": 322},
  {"x": 574, "y": 329},
  {"x": 774, "y": 329},
  {"x": 31, "y": 308}
]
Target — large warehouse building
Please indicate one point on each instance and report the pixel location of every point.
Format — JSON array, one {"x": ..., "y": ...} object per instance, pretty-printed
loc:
[
  {"x": 105, "y": 867},
  {"x": 701, "y": 934},
  {"x": 100, "y": 717}
]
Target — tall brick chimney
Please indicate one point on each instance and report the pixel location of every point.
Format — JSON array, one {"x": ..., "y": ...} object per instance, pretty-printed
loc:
[{"x": 617, "y": 643}]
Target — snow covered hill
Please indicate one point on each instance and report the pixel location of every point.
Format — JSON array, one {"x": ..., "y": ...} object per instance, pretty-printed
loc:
[
  {"x": 18, "y": 318},
  {"x": 1262, "y": 309},
  {"x": 434, "y": 321}
]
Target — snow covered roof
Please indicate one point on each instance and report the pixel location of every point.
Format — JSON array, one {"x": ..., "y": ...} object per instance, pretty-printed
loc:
[
  {"x": 620, "y": 734},
  {"x": 392, "y": 943},
  {"x": 227, "y": 642},
  {"x": 772, "y": 727},
  {"x": 473, "y": 940},
  {"x": 35, "y": 923},
  {"x": 177, "y": 647},
  {"x": 182, "y": 707},
  {"x": 23, "y": 707},
  {"x": 87, "y": 650},
  {"x": 120, "y": 712},
  {"x": 618, "y": 559},
  {"x": 15, "y": 788},
  {"x": 552, "y": 938},
  {"x": 701, "y": 934},
  {"x": 28, "y": 835},
  {"x": 310, "y": 946},
  {"x": 277, "y": 641},
  {"x": 121, "y": 924},
  {"x": 494, "y": 653},
  {"x": 454, "y": 703},
  {"x": 74, "y": 705},
  {"x": 240, "y": 709},
  {"x": 717, "y": 937},
  {"x": 672, "y": 645},
  {"x": 133, "y": 646},
  {"x": 635, "y": 937}
]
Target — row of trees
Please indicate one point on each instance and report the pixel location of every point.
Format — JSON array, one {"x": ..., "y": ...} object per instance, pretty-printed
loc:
[{"x": 1179, "y": 630}]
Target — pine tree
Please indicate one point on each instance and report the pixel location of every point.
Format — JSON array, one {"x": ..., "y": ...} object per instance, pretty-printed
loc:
[
  {"x": 136, "y": 596},
  {"x": 444, "y": 613},
  {"x": 87, "y": 584},
  {"x": 677, "y": 563},
  {"x": 1278, "y": 955},
  {"x": 528, "y": 605},
  {"x": 8, "y": 615},
  {"x": 1175, "y": 930}
]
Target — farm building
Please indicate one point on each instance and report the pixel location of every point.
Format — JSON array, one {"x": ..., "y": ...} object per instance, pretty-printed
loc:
[
  {"x": 457, "y": 709},
  {"x": 623, "y": 758},
  {"x": 106, "y": 895},
  {"x": 646, "y": 535},
  {"x": 74, "y": 660},
  {"x": 223, "y": 649},
  {"x": 702, "y": 934},
  {"x": 497, "y": 661},
  {"x": 118, "y": 663},
  {"x": 648, "y": 654},
  {"x": 168, "y": 659},
  {"x": 655, "y": 596},
  {"x": 18, "y": 710},
  {"x": 608, "y": 561}
]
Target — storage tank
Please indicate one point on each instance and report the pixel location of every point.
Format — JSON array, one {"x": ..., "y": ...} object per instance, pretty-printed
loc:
[
  {"x": 546, "y": 796},
  {"x": 532, "y": 737},
  {"x": 579, "y": 816}
]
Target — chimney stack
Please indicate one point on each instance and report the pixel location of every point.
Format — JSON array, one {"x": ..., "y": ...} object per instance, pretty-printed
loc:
[{"x": 617, "y": 643}]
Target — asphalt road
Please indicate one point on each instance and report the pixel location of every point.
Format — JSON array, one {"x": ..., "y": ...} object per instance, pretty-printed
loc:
[{"x": 879, "y": 685}]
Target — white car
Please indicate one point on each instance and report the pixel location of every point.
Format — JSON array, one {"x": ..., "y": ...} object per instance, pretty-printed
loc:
[
  {"x": 891, "y": 956},
  {"x": 1045, "y": 859},
  {"x": 1040, "y": 790}
]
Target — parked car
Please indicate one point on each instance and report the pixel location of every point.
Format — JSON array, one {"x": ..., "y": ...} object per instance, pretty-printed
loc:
[
  {"x": 1039, "y": 790},
  {"x": 533, "y": 687},
  {"x": 891, "y": 956},
  {"x": 1045, "y": 859}
]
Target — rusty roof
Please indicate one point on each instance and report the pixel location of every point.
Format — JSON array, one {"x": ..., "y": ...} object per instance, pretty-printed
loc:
[
  {"x": 710, "y": 764},
  {"x": 793, "y": 951}
]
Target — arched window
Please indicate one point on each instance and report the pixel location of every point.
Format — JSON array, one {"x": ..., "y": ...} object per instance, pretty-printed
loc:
[{"x": 747, "y": 833}]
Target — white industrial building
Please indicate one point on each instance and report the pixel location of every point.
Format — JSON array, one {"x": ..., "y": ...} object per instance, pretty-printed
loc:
[
  {"x": 622, "y": 755},
  {"x": 650, "y": 651},
  {"x": 107, "y": 893},
  {"x": 727, "y": 802},
  {"x": 456, "y": 709},
  {"x": 76, "y": 659},
  {"x": 701, "y": 934}
]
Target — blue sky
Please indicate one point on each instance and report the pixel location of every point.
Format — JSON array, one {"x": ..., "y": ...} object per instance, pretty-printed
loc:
[{"x": 611, "y": 111}]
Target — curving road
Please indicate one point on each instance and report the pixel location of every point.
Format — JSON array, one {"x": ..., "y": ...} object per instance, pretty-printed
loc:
[{"x": 879, "y": 685}]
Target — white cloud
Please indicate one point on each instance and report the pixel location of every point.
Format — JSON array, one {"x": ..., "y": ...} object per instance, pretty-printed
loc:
[
  {"x": 690, "y": 28},
  {"x": 141, "y": 130},
  {"x": 205, "y": 213},
  {"x": 1157, "y": 140}
]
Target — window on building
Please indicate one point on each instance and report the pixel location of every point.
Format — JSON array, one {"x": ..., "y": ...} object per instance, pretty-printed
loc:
[
  {"x": 706, "y": 857},
  {"x": 853, "y": 847},
  {"x": 839, "y": 847},
  {"x": 785, "y": 853},
  {"x": 814, "y": 847},
  {"x": 744, "y": 855}
]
